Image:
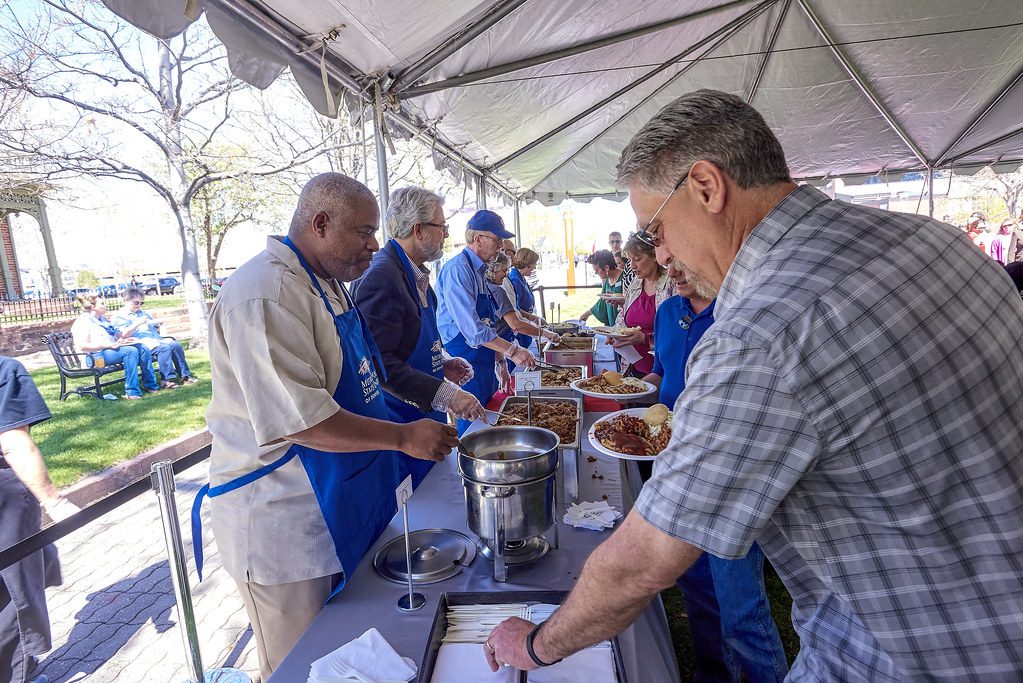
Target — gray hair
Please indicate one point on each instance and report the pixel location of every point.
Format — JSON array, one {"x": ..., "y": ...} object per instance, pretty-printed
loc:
[
  {"x": 703, "y": 125},
  {"x": 331, "y": 192},
  {"x": 408, "y": 206},
  {"x": 497, "y": 262}
]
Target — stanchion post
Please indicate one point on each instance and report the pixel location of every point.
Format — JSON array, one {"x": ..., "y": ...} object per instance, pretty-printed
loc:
[{"x": 162, "y": 474}]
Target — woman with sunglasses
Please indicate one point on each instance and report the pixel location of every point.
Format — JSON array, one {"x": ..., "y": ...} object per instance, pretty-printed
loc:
[
  {"x": 167, "y": 351},
  {"x": 643, "y": 296}
]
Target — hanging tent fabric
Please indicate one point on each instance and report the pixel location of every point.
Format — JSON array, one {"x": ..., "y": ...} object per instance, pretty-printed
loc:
[{"x": 540, "y": 96}]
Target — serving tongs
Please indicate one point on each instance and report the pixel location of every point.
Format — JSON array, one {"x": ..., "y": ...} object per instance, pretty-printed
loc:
[
  {"x": 544, "y": 365},
  {"x": 499, "y": 415}
]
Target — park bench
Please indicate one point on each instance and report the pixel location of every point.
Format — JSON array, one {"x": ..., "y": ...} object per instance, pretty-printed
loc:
[{"x": 73, "y": 366}]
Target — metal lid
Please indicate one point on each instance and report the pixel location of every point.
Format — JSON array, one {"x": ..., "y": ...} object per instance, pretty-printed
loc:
[{"x": 437, "y": 554}]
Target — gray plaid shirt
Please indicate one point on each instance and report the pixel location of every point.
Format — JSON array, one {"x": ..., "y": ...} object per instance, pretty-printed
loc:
[{"x": 856, "y": 409}]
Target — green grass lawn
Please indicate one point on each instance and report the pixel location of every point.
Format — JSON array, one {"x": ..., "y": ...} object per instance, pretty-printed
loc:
[{"x": 87, "y": 435}]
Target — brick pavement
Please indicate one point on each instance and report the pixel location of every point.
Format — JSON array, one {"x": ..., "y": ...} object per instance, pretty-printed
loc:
[{"x": 114, "y": 618}]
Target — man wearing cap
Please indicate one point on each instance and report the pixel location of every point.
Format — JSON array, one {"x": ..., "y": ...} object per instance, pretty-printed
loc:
[{"x": 467, "y": 314}]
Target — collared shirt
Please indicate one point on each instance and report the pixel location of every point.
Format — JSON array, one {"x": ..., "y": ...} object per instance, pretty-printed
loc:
[
  {"x": 857, "y": 413},
  {"x": 422, "y": 276},
  {"x": 677, "y": 329},
  {"x": 458, "y": 284},
  {"x": 275, "y": 361},
  {"x": 125, "y": 319}
]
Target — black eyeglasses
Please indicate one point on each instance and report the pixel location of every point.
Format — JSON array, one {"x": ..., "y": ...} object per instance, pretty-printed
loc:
[
  {"x": 442, "y": 226},
  {"x": 646, "y": 228}
]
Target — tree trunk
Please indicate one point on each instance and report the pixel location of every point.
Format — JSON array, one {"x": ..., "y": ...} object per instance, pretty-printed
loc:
[
  {"x": 216, "y": 255},
  {"x": 198, "y": 313}
]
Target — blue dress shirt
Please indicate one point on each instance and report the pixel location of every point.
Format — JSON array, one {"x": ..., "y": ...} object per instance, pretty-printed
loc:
[
  {"x": 677, "y": 329},
  {"x": 459, "y": 282}
]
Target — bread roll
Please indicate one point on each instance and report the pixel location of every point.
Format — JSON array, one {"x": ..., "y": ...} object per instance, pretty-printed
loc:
[
  {"x": 613, "y": 378},
  {"x": 656, "y": 414}
]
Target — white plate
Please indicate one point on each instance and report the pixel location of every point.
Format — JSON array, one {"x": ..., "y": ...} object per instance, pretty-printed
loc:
[
  {"x": 603, "y": 331},
  {"x": 621, "y": 398},
  {"x": 604, "y": 450}
]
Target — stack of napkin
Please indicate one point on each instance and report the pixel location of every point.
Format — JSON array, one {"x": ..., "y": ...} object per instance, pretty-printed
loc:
[
  {"x": 367, "y": 658},
  {"x": 597, "y": 516}
]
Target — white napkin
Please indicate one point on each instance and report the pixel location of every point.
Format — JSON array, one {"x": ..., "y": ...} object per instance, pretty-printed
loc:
[
  {"x": 597, "y": 516},
  {"x": 369, "y": 654},
  {"x": 466, "y": 663},
  {"x": 629, "y": 353},
  {"x": 592, "y": 665}
]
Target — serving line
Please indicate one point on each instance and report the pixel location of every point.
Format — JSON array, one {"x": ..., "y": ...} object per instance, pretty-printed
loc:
[{"x": 369, "y": 600}]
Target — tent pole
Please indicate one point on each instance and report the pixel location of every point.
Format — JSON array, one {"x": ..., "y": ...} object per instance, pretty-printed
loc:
[
  {"x": 742, "y": 19},
  {"x": 517, "y": 222},
  {"x": 768, "y": 51},
  {"x": 496, "y": 13},
  {"x": 518, "y": 65},
  {"x": 481, "y": 192},
  {"x": 381, "y": 149},
  {"x": 930, "y": 191},
  {"x": 864, "y": 87},
  {"x": 984, "y": 112},
  {"x": 682, "y": 72}
]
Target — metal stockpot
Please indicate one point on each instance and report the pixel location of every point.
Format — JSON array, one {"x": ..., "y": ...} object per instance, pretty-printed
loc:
[
  {"x": 510, "y": 486},
  {"x": 510, "y": 513},
  {"x": 509, "y": 455}
]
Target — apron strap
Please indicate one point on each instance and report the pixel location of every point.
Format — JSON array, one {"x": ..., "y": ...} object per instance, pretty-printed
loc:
[{"x": 215, "y": 491}]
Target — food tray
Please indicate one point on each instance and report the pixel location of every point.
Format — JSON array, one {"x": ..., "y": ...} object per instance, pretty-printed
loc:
[
  {"x": 570, "y": 452},
  {"x": 582, "y": 357},
  {"x": 554, "y": 392},
  {"x": 440, "y": 625},
  {"x": 513, "y": 400}
]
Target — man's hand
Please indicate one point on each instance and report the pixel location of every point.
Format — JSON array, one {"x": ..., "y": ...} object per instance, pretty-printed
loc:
[
  {"x": 428, "y": 439},
  {"x": 467, "y": 406},
  {"x": 503, "y": 377},
  {"x": 457, "y": 370},
  {"x": 555, "y": 338},
  {"x": 523, "y": 358},
  {"x": 506, "y": 644},
  {"x": 61, "y": 509},
  {"x": 584, "y": 316}
]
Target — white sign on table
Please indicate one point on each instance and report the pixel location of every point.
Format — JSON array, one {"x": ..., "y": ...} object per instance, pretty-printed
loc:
[
  {"x": 404, "y": 491},
  {"x": 523, "y": 379},
  {"x": 629, "y": 353}
]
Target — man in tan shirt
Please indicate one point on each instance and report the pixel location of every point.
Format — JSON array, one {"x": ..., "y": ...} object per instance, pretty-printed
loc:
[{"x": 298, "y": 438}]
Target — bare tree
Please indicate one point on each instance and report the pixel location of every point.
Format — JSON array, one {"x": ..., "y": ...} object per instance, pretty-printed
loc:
[{"x": 109, "y": 101}]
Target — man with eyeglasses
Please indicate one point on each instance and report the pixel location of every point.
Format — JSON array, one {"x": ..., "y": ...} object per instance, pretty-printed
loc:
[
  {"x": 467, "y": 314},
  {"x": 726, "y": 601},
  {"x": 400, "y": 307},
  {"x": 851, "y": 410},
  {"x": 614, "y": 240}
]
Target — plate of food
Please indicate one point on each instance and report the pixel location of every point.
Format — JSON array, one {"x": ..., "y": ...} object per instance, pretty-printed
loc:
[
  {"x": 633, "y": 433},
  {"x": 611, "y": 384},
  {"x": 612, "y": 296},
  {"x": 615, "y": 332}
]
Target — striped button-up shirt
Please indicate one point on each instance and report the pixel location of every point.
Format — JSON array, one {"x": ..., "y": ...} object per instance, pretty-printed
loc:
[{"x": 855, "y": 408}]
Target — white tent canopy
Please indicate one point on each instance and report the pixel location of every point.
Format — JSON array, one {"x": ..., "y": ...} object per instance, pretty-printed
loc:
[{"x": 540, "y": 96}]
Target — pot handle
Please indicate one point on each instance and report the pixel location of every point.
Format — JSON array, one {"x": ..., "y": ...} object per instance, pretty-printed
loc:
[
  {"x": 500, "y": 567},
  {"x": 493, "y": 492}
]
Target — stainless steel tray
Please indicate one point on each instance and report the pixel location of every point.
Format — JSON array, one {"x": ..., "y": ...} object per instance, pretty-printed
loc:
[
  {"x": 570, "y": 452},
  {"x": 582, "y": 357},
  {"x": 577, "y": 400},
  {"x": 440, "y": 625}
]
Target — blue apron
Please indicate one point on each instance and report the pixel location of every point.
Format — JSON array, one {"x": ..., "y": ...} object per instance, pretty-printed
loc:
[
  {"x": 428, "y": 357},
  {"x": 483, "y": 384},
  {"x": 355, "y": 491},
  {"x": 523, "y": 299}
]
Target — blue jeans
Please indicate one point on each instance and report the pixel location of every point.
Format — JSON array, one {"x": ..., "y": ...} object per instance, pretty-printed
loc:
[
  {"x": 171, "y": 357},
  {"x": 133, "y": 358},
  {"x": 730, "y": 620}
]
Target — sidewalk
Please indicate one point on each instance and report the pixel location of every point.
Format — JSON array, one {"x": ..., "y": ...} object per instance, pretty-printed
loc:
[{"x": 114, "y": 619}]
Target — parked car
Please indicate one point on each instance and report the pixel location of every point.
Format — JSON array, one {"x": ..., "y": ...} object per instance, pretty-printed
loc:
[
  {"x": 111, "y": 291},
  {"x": 75, "y": 291},
  {"x": 168, "y": 285}
]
